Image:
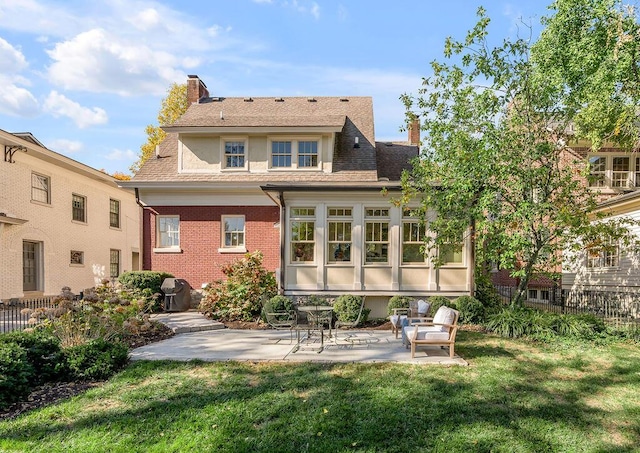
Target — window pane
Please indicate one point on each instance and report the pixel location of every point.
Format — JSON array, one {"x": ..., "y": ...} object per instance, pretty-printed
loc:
[
  {"x": 233, "y": 231},
  {"x": 411, "y": 253},
  {"x": 234, "y": 154},
  {"x": 307, "y": 154},
  {"x": 114, "y": 263},
  {"x": 281, "y": 154},
  {"x": 169, "y": 228},
  {"x": 40, "y": 188},
  {"x": 78, "y": 208},
  {"x": 302, "y": 251},
  {"x": 114, "y": 213}
]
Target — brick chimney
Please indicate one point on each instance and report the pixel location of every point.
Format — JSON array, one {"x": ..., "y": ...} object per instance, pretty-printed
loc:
[
  {"x": 196, "y": 89},
  {"x": 414, "y": 131}
]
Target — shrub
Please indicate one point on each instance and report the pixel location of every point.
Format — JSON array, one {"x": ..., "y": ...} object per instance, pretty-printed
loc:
[
  {"x": 16, "y": 373},
  {"x": 487, "y": 294},
  {"x": 238, "y": 298},
  {"x": 277, "y": 303},
  {"x": 398, "y": 302},
  {"x": 96, "y": 360},
  {"x": 149, "y": 282},
  {"x": 471, "y": 310},
  {"x": 347, "y": 307},
  {"x": 511, "y": 322},
  {"x": 438, "y": 301},
  {"x": 43, "y": 353}
]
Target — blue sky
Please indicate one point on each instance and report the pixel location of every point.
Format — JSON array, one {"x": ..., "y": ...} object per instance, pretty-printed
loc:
[{"x": 87, "y": 77}]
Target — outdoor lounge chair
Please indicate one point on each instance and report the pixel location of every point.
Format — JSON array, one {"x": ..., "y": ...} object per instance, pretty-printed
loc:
[{"x": 439, "y": 332}]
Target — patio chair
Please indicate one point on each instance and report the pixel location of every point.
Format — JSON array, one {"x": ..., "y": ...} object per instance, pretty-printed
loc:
[
  {"x": 350, "y": 324},
  {"x": 282, "y": 320},
  {"x": 418, "y": 311},
  {"x": 439, "y": 332}
]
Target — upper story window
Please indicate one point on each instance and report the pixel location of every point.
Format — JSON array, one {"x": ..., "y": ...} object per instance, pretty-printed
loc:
[
  {"x": 40, "y": 188},
  {"x": 114, "y": 213},
  {"x": 376, "y": 235},
  {"x": 302, "y": 224},
  {"x": 339, "y": 234},
  {"x": 233, "y": 232},
  {"x": 294, "y": 153},
  {"x": 235, "y": 156},
  {"x": 79, "y": 208},
  {"x": 614, "y": 171},
  {"x": 168, "y": 231}
]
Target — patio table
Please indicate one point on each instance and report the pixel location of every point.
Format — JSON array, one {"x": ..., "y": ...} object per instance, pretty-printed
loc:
[{"x": 318, "y": 316}]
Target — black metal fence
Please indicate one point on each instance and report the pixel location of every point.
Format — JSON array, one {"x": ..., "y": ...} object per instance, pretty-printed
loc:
[
  {"x": 15, "y": 314},
  {"x": 616, "y": 307}
]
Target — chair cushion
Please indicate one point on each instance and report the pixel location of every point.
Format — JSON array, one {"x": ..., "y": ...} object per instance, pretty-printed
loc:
[
  {"x": 444, "y": 315},
  {"x": 426, "y": 333},
  {"x": 423, "y": 307}
]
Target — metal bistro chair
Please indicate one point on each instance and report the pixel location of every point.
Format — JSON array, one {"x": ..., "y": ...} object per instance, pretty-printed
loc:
[
  {"x": 282, "y": 320},
  {"x": 350, "y": 324}
]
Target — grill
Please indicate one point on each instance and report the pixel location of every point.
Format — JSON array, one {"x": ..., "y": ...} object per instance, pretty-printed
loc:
[{"x": 177, "y": 294}]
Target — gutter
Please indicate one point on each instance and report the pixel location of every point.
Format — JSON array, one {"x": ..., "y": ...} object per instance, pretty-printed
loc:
[
  {"x": 141, "y": 228},
  {"x": 283, "y": 241}
]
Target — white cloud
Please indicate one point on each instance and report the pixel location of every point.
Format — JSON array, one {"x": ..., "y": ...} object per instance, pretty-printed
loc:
[
  {"x": 99, "y": 61},
  {"x": 146, "y": 19},
  {"x": 58, "y": 105},
  {"x": 16, "y": 101},
  {"x": 11, "y": 59},
  {"x": 65, "y": 146},
  {"x": 118, "y": 154}
]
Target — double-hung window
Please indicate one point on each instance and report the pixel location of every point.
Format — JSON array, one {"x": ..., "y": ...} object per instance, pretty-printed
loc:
[
  {"x": 40, "y": 188},
  {"x": 620, "y": 172},
  {"x": 79, "y": 208},
  {"x": 605, "y": 255},
  {"x": 293, "y": 153},
  {"x": 235, "y": 154},
  {"x": 302, "y": 227},
  {"x": 376, "y": 235},
  {"x": 451, "y": 250},
  {"x": 413, "y": 236},
  {"x": 114, "y": 213},
  {"x": 233, "y": 232},
  {"x": 168, "y": 232},
  {"x": 597, "y": 171},
  {"x": 339, "y": 234}
]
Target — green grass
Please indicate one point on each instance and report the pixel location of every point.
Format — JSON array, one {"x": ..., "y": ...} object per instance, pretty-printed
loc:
[{"x": 514, "y": 397}]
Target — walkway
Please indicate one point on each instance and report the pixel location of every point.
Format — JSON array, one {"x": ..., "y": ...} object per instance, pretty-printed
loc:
[{"x": 212, "y": 342}]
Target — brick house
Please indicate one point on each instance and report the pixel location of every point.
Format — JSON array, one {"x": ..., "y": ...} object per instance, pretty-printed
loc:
[
  {"x": 52, "y": 210},
  {"x": 300, "y": 179}
]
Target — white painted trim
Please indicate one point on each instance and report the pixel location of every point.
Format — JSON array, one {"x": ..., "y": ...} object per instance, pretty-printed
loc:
[{"x": 223, "y": 161}]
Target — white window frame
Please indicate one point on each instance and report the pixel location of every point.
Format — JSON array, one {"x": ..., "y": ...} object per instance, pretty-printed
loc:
[
  {"x": 342, "y": 218},
  {"x": 306, "y": 214},
  {"x": 621, "y": 179},
  {"x": 238, "y": 248},
  {"x": 167, "y": 248},
  {"x": 601, "y": 175},
  {"x": 46, "y": 191},
  {"x": 223, "y": 155},
  {"x": 615, "y": 179},
  {"x": 377, "y": 216},
  {"x": 295, "y": 154},
  {"x": 605, "y": 259},
  {"x": 413, "y": 223}
]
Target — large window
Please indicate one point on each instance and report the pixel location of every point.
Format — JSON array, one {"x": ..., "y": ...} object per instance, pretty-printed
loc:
[
  {"x": 78, "y": 208},
  {"x": 168, "y": 232},
  {"x": 605, "y": 255},
  {"x": 339, "y": 235},
  {"x": 114, "y": 213},
  {"x": 620, "y": 175},
  {"x": 233, "y": 232},
  {"x": 413, "y": 235},
  {"x": 234, "y": 154},
  {"x": 451, "y": 251},
  {"x": 294, "y": 153},
  {"x": 376, "y": 235},
  {"x": 302, "y": 221},
  {"x": 40, "y": 188},
  {"x": 114, "y": 263}
]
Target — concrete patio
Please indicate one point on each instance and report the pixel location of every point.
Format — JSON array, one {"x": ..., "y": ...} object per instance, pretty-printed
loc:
[{"x": 199, "y": 338}]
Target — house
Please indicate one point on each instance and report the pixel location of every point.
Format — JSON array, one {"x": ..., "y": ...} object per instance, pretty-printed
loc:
[
  {"x": 301, "y": 179},
  {"x": 62, "y": 223}
]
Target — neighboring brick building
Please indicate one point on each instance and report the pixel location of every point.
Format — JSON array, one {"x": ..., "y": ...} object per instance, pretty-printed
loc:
[
  {"x": 62, "y": 223},
  {"x": 300, "y": 179}
]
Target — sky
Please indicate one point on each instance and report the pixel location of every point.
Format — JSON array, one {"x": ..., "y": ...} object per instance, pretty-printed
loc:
[{"x": 86, "y": 78}]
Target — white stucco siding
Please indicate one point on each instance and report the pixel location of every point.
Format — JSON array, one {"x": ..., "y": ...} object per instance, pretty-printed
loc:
[{"x": 51, "y": 227}]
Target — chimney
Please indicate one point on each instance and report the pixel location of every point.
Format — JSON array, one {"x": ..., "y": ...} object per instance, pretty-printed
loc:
[
  {"x": 414, "y": 131},
  {"x": 196, "y": 89}
]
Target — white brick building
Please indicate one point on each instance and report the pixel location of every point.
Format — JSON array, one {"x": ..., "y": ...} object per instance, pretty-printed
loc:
[{"x": 62, "y": 223}]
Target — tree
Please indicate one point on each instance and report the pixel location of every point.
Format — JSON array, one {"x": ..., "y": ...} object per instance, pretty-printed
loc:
[
  {"x": 591, "y": 49},
  {"x": 494, "y": 160},
  {"x": 172, "y": 107}
]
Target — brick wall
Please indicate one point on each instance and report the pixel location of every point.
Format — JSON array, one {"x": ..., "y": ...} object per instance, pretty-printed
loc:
[{"x": 200, "y": 238}]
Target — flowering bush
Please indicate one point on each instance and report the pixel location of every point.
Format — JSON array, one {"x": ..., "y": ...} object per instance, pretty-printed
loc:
[{"x": 240, "y": 296}]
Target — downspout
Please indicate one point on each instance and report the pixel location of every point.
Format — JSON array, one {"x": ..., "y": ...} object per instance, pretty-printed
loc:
[
  {"x": 283, "y": 242},
  {"x": 472, "y": 259}
]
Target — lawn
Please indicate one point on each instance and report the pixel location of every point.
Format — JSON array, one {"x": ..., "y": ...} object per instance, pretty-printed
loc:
[{"x": 515, "y": 396}]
